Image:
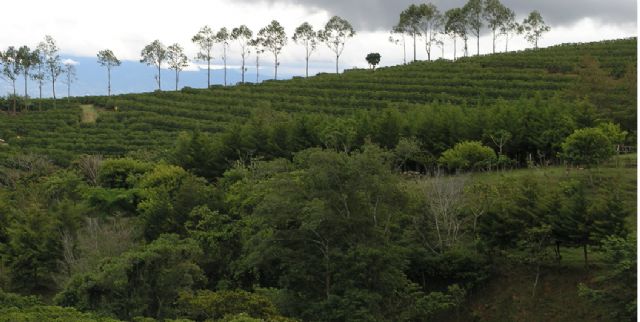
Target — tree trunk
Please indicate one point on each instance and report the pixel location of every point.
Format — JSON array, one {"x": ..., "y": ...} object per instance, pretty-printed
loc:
[
  {"x": 225, "y": 64},
  {"x": 243, "y": 68},
  {"x": 276, "y": 67},
  {"x": 159, "y": 75},
  {"x": 109, "y": 80},
  {"x": 14, "y": 96},
  {"x": 414, "y": 47},
  {"x": 494, "y": 40},
  {"x": 53, "y": 83},
  {"x": 506, "y": 43},
  {"x": 257, "y": 68},
  {"x": 307, "y": 63},
  {"x": 177, "y": 77},
  {"x": 337, "y": 60},
  {"x": 26, "y": 93},
  {"x": 208, "y": 72},
  {"x": 455, "y": 48},
  {"x": 478, "y": 42}
]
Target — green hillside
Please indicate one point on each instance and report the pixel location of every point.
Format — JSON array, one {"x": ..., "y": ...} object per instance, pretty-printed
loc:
[{"x": 152, "y": 121}]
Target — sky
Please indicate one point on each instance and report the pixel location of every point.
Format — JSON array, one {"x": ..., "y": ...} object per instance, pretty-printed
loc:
[{"x": 82, "y": 28}]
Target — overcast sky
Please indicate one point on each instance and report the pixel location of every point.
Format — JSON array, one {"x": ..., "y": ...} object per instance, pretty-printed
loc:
[{"x": 84, "y": 27}]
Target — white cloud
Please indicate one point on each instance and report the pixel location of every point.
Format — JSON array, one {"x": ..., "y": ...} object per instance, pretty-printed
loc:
[
  {"x": 83, "y": 27},
  {"x": 70, "y": 61}
]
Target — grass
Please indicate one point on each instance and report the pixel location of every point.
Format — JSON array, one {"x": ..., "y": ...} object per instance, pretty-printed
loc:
[{"x": 89, "y": 114}]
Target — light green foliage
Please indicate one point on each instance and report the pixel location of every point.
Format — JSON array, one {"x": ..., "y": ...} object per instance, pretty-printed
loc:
[
  {"x": 470, "y": 155},
  {"x": 144, "y": 282},
  {"x": 589, "y": 147},
  {"x": 223, "y": 305},
  {"x": 335, "y": 35},
  {"x": 121, "y": 173}
]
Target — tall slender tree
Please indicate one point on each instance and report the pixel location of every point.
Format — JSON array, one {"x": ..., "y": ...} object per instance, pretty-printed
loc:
[
  {"x": 474, "y": 10},
  {"x": 496, "y": 16},
  {"x": 177, "y": 60},
  {"x": 40, "y": 74},
  {"x": 222, "y": 37},
  {"x": 155, "y": 54},
  {"x": 455, "y": 26},
  {"x": 398, "y": 37},
  {"x": 510, "y": 28},
  {"x": 534, "y": 26},
  {"x": 257, "y": 44},
  {"x": 69, "y": 70},
  {"x": 108, "y": 59},
  {"x": 307, "y": 37},
  {"x": 410, "y": 24},
  {"x": 53, "y": 62},
  {"x": 430, "y": 25},
  {"x": 205, "y": 39},
  {"x": 11, "y": 70},
  {"x": 274, "y": 39},
  {"x": 335, "y": 35},
  {"x": 242, "y": 35},
  {"x": 27, "y": 59}
]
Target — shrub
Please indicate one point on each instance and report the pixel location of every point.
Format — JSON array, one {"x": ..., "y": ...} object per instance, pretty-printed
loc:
[
  {"x": 589, "y": 146},
  {"x": 468, "y": 155}
]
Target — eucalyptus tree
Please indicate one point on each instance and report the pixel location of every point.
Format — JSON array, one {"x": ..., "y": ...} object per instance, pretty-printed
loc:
[
  {"x": 430, "y": 25},
  {"x": 398, "y": 36},
  {"x": 108, "y": 59},
  {"x": 205, "y": 39},
  {"x": 222, "y": 37},
  {"x": 27, "y": 59},
  {"x": 242, "y": 35},
  {"x": 177, "y": 60},
  {"x": 257, "y": 44},
  {"x": 53, "y": 63},
  {"x": 40, "y": 74},
  {"x": 455, "y": 26},
  {"x": 274, "y": 39},
  {"x": 69, "y": 70},
  {"x": 510, "y": 28},
  {"x": 11, "y": 69},
  {"x": 410, "y": 24},
  {"x": 496, "y": 16},
  {"x": 335, "y": 34},
  {"x": 474, "y": 10},
  {"x": 155, "y": 54},
  {"x": 307, "y": 37},
  {"x": 534, "y": 26}
]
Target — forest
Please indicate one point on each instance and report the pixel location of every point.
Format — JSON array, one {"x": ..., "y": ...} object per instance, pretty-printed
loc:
[{"x": 497, "y": 187}]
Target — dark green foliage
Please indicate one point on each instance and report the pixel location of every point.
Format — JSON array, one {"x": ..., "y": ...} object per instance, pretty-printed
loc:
[
  {"x": 143, "y": 282},
  {"x": 207, "y": 305},
  {"x": 373, "y": 59},
  {"x": 616, "y": 288}
]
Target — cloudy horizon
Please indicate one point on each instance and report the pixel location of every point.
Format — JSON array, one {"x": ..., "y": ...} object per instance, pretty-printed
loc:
[{"x": 81, "y": 28}]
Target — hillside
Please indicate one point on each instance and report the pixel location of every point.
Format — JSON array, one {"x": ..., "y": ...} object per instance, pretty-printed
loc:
[{"x": 152, "y": 121}]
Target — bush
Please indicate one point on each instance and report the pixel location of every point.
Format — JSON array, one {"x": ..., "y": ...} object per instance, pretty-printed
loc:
[
  {"x": 468, "y": 155},
  {"x": 589, "y": 146}
]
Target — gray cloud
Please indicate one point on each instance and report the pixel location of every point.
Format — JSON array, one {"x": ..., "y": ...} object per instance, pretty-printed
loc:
[{"x": 382, "y": 14}]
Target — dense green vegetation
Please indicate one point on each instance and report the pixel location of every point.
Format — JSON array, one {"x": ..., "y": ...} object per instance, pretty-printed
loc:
[{"x": 403, "y": 194}]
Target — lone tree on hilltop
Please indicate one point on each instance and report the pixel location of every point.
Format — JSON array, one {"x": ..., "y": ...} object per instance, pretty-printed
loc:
[
  {"x": 335, "y": 35},
  {"x": 242, "y": 35},
  {"x": 257, "y": 44},
  {"x": 306, "y": 36},
  {"x": 273, "y": 38},
  {"x": 373, "y": 59},
  {"x": 69, "y": 70},
  {"x": 534, "y": 26},
  {"x": 205, "y": 39},
  {"x": 177, "y": 60},
  {"x": 154, "y": 54},
  {"x": 107, "y": 58},
  {"x": 398, "y": 36}
]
